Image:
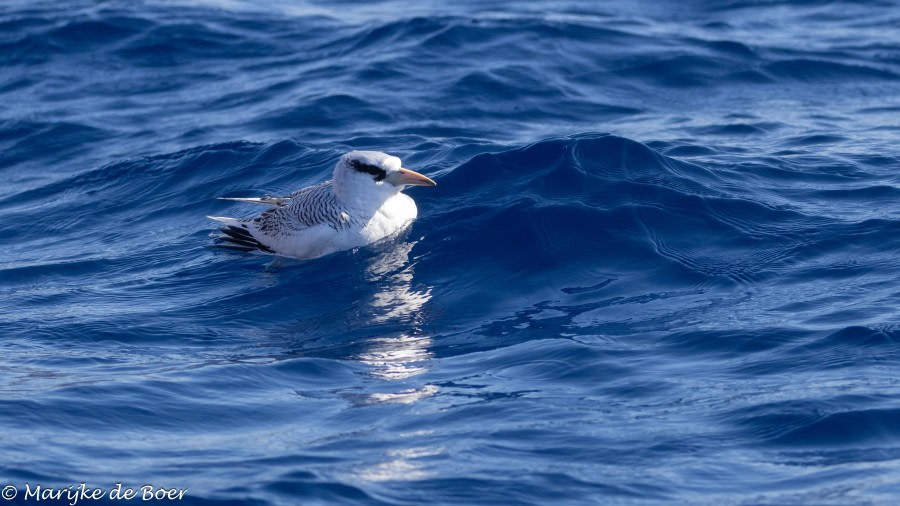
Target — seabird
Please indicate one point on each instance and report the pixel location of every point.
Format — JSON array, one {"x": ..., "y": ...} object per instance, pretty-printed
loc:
[{"x": 362, "y": 204}]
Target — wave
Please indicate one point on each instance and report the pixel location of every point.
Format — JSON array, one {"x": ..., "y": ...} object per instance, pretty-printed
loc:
[{"x": 593, "y": 226}]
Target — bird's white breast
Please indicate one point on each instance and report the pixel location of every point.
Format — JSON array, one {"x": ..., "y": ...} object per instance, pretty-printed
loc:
[{"x": 391, "y": 217}]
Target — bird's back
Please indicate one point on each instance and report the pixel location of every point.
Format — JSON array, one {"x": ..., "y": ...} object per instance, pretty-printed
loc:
[
  {"x": 306, "y": 224},
  {"x": 310, "y": 207}
]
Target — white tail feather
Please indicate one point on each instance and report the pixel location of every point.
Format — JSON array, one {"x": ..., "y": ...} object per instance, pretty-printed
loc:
[
  {"x": 266, "y": 200},
  {"x": 225, "y": 219}
]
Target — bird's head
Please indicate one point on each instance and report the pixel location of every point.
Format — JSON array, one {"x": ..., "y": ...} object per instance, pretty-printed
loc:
[{"x": 372, "y": 173}]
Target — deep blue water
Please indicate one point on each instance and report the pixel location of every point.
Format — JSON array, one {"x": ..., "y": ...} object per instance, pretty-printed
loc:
[{"x": 660, "y": 264}]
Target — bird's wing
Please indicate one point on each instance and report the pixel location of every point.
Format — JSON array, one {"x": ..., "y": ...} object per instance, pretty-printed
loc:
[
  {"x": 238, "y": 234},
  {"x": 296, "y": 225},
  {"x": 309, "y": 207}
]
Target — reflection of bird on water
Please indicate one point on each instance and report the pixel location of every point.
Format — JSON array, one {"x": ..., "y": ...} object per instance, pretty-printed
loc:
[
  {"x": 396, "y": 298},
  {"x": 404, "y": 354},
  {"x": 362, "y": 204},
  {"x": 398, "y": 356}
]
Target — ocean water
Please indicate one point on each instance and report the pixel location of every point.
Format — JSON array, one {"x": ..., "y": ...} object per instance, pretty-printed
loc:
[{"x": 660, "y": 264}]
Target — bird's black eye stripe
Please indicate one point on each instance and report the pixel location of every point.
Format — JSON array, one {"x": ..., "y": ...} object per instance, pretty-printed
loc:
[{"x": 368, "y": 169}]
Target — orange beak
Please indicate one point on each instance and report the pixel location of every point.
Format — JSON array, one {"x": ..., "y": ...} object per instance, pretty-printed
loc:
[{"x": 409, "y": 177}]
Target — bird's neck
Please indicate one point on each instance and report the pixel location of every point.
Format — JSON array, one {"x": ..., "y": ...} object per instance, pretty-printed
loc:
[{"x": 362, "y": 198}]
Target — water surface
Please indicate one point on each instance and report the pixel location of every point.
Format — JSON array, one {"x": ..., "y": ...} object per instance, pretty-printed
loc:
[{"x": 660, "y": 264}]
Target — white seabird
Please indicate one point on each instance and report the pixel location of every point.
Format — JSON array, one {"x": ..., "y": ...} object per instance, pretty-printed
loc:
[{"x": 360, "y": 205}]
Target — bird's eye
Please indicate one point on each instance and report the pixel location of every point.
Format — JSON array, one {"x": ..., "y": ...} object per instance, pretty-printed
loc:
[{"x": 368, "y": 169}]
